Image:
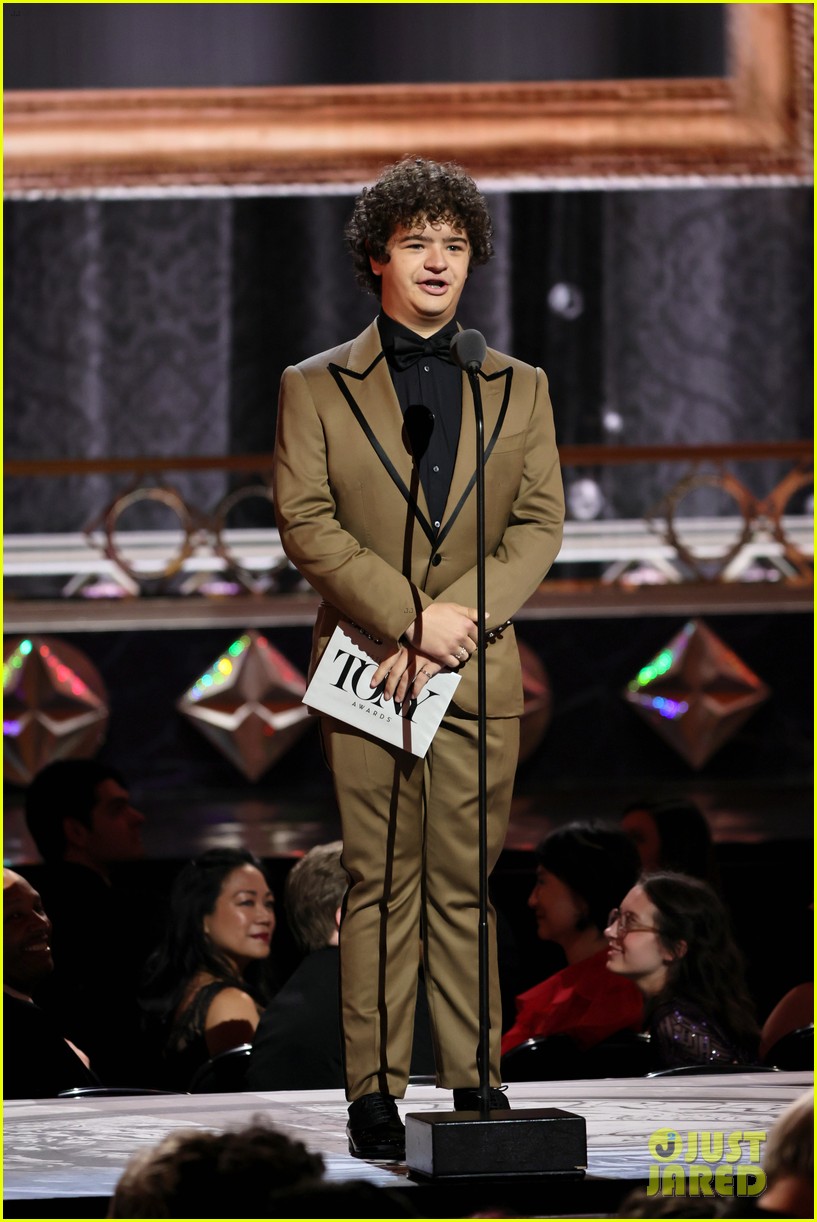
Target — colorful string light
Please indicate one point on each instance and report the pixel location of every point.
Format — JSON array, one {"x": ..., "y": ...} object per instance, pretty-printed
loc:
[{"x": 220, "y": 671}]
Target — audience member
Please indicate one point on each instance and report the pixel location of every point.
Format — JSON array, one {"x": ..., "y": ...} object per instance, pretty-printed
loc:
[
  {"x": 298, "y": 1042},
  {"x": 640, "y": 1204},
  {"x": 81, "y": 819},
  {"x": 671, "y": 937},
  {"x": 204, "y": 984},
  {"x": 672, "y": 835},
  {"x": 794, "y": 1010},
  {"x": 195, "y": 1174},
  {"x": 788, "y": 1161},
  {"x": 39, "y": 1061},
  {"x": 581, "y": 868}
]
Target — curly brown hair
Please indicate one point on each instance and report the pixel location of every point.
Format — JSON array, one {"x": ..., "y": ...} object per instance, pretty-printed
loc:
[
  {"x": 195, "y": 1174},
  {"x": 411, "y": 190}
]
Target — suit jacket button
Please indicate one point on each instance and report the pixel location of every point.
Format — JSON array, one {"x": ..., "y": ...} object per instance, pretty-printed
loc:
[{"x": 436, "y": 559}]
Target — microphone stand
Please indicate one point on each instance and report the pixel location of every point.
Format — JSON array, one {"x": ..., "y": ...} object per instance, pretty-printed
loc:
[
  {"x": 484, "y": 1047},
  {"x": 498, "y": 1145}
]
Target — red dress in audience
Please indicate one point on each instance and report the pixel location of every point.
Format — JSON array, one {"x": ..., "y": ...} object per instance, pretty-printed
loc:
[{"x": 584, "y": 1000}]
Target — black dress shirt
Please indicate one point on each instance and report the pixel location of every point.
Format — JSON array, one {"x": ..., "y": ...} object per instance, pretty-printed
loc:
[{"x": 430, "y": 396}]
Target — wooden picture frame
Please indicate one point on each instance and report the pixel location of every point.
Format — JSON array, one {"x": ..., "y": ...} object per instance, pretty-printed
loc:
[{"x": 753, "y": 123}]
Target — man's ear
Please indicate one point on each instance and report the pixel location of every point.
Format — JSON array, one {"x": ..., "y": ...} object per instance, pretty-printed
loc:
[
  {"x": 75, "y": 832},
  {"x": 334, "y": 937}
]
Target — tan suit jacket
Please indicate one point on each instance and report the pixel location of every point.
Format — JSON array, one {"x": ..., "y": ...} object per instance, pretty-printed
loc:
[{"x": 345, "y": 515}]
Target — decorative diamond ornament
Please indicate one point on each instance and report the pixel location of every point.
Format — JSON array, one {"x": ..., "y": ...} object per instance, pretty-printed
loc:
[
  {"x": 248, "y": 703},
  {"x": 696, "y": 693},
  {"x": 55, "y": 705},
  {"x": 538, "y": 701}
]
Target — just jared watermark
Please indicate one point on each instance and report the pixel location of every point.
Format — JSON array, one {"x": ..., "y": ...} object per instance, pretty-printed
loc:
[{"x": 706, "y": 1163}]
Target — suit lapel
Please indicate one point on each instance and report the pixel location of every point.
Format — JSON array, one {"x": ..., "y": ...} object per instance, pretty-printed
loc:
[
  {"x": 495, "y": 384},
  {"x": 367, "y": 387}
]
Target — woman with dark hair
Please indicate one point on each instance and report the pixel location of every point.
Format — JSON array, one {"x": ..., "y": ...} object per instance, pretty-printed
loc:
[
  {"x": 203, "y": 987},
  {"x": 580, "y": 867},
  {"x": 671, "y": 937}
]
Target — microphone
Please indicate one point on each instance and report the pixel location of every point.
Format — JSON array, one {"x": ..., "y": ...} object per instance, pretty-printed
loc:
[{"x": 468, "y": 348}]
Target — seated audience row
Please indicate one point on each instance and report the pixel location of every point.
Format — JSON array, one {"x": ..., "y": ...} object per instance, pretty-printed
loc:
[
  {"x": 582, "y": 871},
  {"x": 205, "y": 988},
  {"x": 646, "y": 954},
  {"x": 666, "y": 939}
]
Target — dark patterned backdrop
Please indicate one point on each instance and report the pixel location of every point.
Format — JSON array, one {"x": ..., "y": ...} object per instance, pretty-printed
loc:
[
  {"x": 162, "y": 327},
  {"x": 707, "y": 322},
  {"x": 97, "y": 46}
]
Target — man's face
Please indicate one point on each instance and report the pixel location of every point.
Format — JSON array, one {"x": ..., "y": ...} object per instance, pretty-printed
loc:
[
  {"x": 424, "y": 277},
  {"x": 26, "y": 935},
  {"x": 642, "y": 829},
  {"x": 115, "y": 833}
]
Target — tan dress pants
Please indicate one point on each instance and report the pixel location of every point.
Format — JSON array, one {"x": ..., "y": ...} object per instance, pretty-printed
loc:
[{"x": 410, "y": 847}]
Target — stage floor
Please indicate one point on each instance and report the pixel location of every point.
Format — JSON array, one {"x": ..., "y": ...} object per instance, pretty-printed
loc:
[{"x": 58, "y": 1149}]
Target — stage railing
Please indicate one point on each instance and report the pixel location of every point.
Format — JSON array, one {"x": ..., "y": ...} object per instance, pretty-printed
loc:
[{"x": 762, "y": 541}]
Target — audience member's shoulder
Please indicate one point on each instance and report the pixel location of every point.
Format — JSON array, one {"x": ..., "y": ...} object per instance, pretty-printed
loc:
[
  {"x": 227, "y": 997},
  {"x": 678, "y": 1011}
]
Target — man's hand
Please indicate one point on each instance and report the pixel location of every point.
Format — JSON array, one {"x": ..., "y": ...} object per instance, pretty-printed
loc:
[
  {"x": 445, "y": 632},
  {"x": 405, "y": 673}
]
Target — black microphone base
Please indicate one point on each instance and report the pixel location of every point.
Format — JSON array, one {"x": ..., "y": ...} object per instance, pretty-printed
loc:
[{"x": 502, "y": 1144}]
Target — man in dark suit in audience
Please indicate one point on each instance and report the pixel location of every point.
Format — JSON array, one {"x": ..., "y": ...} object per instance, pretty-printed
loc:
[
  {"x": 298, "y": 1042},
  {"x": 81, "y": 818}
]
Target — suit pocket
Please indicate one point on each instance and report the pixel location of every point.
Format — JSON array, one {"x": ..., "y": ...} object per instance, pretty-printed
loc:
[
  {"x": 513, "y": 441},
  {"x": 504, "y": 469}
]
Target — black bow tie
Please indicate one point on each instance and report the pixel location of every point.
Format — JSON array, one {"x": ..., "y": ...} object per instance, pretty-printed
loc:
[{"x": 407, "y": 350}]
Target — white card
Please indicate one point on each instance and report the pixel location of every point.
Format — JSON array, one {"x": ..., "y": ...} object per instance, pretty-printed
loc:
[{"x": 341, "y": 687}]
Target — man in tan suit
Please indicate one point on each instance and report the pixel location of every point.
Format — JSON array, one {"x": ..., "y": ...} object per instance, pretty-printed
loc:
[{"x": 375, "y": 502}]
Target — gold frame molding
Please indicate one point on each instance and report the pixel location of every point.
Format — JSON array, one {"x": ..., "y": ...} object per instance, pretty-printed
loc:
[{"x": 756, "y": 122}]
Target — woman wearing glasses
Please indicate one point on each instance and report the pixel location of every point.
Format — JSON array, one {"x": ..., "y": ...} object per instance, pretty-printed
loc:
[{"x": 671, "y": 938}]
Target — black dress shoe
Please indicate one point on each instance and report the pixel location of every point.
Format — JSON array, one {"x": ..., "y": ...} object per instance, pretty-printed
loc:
[
  {"x": 375, "y": 1130},
  {"x": 467, "y": 1099}
]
